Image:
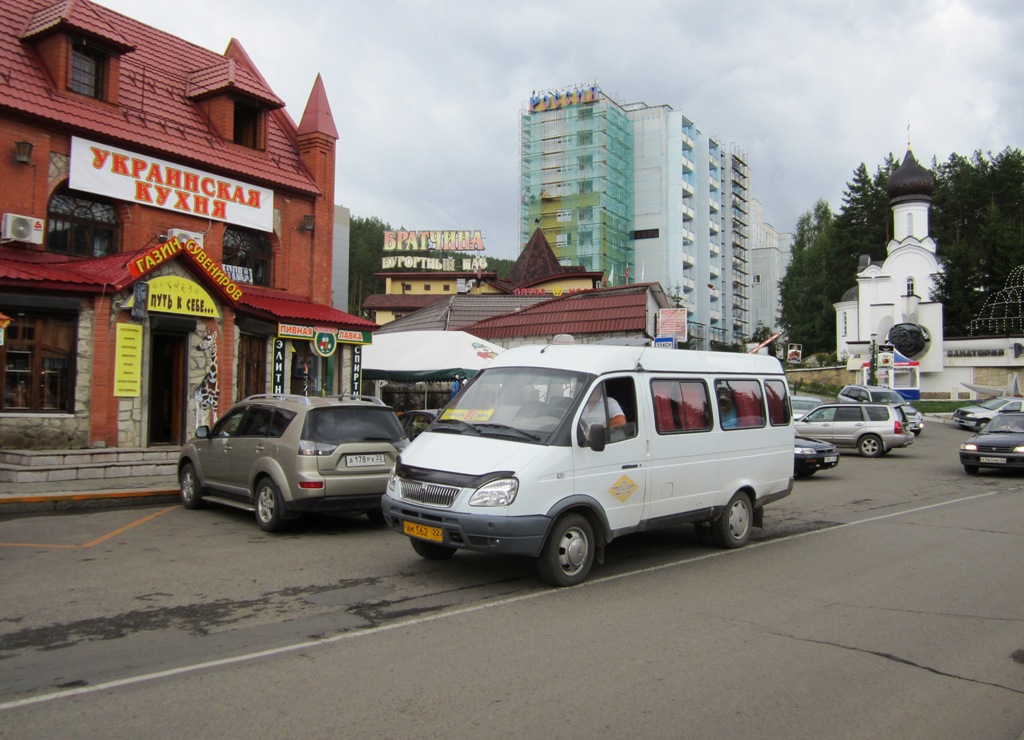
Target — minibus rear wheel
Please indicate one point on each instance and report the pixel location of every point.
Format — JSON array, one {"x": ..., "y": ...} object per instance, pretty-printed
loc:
[
  {"x": 568, "y": 552},
  {"x": 732, "y": 529}
]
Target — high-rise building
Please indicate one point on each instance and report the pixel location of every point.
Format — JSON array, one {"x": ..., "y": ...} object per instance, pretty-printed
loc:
[
  {"x": 576, "y": 179},
  {"x": 770, "y": 255},
  {"x": 639, "y": 192}
]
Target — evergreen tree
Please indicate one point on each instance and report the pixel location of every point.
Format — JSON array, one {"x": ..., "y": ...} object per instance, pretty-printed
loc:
[
  {"x": 809, "y": 288},
  {"x": 365, "y": 248}
]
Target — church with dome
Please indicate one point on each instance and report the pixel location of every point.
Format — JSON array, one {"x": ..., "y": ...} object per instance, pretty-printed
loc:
[{"x": 889, "y": 315}]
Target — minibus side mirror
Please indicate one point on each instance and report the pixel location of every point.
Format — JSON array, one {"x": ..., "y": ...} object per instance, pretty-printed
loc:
[{"x": 598, "y": 437}]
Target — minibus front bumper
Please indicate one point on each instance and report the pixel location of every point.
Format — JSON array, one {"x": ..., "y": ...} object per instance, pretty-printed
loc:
[{"x": 508, "y": 535}]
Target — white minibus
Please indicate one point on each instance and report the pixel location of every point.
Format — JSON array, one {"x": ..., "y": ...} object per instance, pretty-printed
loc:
[{"x": 555, "y": 450}]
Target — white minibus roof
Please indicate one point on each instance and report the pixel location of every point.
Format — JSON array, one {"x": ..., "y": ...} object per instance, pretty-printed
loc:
[{"x": 602, "y": 359}]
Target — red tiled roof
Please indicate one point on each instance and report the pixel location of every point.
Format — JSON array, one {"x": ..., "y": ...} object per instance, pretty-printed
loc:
[
  {"x": 153, "y": 114},
  {"x": 281, "y": 306},
  {"x": 228, "y": 75},
  {"x": 63, "y": 274},
  {"x": 599, "y": 311}
]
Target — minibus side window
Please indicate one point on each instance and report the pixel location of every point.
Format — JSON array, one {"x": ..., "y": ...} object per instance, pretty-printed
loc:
[
  {"x": 740, "y": 404},
  {"x": 778, "y": 402},
  {"x": 680, "y": 406}
]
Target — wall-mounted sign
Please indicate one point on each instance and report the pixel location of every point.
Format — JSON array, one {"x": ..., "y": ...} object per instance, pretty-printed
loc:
[
  {"x": 672, "y": 323},
  {"x": 345, "y": 336},
  {"x": 439, "y": 241},
  {"x": 128, "y": 361},
  {"x": 357, "y": 370},
  {"x": 278, "y": 374},
  {"x": 324, "y": 343},
  {"x": 139, "y": 178},
  {"x": 153, "y": 258},
  {"x": 447, "y": 264},
  {"x": 173, "y": 294}
]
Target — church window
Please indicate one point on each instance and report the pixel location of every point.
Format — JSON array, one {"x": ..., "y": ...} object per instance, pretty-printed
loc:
[{"x": 910, "y": 285}]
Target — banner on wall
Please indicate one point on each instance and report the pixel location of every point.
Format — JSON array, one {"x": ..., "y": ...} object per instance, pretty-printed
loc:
[{"x": 139, "y": 178}]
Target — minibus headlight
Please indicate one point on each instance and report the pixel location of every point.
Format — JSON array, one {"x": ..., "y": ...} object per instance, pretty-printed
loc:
[{"x": 496, "y": 493}]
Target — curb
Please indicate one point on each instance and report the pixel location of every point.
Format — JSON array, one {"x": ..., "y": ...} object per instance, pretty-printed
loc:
[{"x": 86, "y": 500}]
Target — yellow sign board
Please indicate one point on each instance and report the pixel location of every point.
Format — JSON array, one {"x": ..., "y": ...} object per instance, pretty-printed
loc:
[
  {"x": 128, "y": 361},
  {"x": 173, "y": 294}
]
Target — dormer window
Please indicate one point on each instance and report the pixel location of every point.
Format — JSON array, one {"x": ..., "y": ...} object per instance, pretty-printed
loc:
[
  {"x": 248, "y": 126},
  {"x": 88, "y": 70}
]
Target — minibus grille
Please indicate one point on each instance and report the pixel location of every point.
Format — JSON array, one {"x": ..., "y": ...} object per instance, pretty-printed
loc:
[{"x": 428, "y": 494}]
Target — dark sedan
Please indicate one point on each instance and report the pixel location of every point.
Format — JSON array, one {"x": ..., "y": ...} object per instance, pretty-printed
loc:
[
  {"x": 1000, "y": 444},
  {"x": 812, "y": 455}
]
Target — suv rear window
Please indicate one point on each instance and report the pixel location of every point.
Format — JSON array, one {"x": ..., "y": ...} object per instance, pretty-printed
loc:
[{"x": 340, "y": 424}]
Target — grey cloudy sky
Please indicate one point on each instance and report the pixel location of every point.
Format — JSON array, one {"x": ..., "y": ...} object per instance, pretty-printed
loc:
[{"x": 426, "y": 94}]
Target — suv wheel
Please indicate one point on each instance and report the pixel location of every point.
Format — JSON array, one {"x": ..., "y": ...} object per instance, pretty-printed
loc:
[
  {"x": 870, "y": 446},
  {"x": 191, "y": 490},
  {"x": 269, "y": 509}
]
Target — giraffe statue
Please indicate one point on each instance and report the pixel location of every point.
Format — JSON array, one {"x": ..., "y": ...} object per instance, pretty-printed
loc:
[{"x": 206, "y": 393}]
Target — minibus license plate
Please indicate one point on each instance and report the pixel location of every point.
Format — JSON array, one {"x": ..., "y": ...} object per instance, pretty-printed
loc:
[
  {"x": 363, "y": 461},
  {"x": 997, "y": 460},
  {"x": 423, "y": 531}
]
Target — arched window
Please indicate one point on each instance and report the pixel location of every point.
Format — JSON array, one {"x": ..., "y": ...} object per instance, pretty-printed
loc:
[
  {"x": 910, "y": 224},
  {"x": 248, "y": 251},
  {"x": 81, "y": 225},
  {"x": 910, "y": 285}
]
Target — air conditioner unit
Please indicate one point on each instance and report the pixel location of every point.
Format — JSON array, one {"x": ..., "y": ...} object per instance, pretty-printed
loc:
[
  {"x": 186, "y": 235},
  {"x": 23, "y": 229}
]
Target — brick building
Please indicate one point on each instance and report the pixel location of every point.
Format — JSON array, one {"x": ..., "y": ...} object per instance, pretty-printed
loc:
[{"x": 167, "y": 233}]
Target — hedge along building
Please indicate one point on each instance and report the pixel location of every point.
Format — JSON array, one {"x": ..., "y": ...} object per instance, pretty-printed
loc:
[
  {"x": 891, "y": 306},
  {"x": 167, "y": 233}
]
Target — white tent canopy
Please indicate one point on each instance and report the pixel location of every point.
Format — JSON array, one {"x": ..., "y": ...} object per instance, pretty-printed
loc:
[{"x": 426, "y": 355}]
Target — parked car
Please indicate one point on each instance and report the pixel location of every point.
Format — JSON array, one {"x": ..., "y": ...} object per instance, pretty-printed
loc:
[
  {"x": 802, "y": 404},
  {"x": 873, "y": 429},
  {"x": 880, "y": 394},
  {"x": 975, "y": 417},
  {"x": 1000, "y": 444},
  {"x": 812, "y": 455},
  {"x": 415, "y": 421},
  {"x": 281, "y": 455}
]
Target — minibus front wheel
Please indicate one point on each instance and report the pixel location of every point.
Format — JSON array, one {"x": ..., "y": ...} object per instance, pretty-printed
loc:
[{"x": 568, "y": 552}]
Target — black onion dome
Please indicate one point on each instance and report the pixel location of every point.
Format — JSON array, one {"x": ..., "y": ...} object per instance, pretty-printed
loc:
[{"x": 910, "y": 180}]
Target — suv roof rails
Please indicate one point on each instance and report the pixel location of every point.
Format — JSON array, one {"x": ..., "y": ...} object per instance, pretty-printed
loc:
[
  {"x": 361, "y": 397},
  {"x": 294, "y": 397}
]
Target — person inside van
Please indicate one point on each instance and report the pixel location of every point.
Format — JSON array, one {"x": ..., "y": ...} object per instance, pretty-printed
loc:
[
  {"x": 594, "y": 412},
  {"x": 727, "y": 408}
]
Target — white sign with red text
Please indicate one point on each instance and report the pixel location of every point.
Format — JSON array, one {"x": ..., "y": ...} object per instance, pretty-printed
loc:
[{"x": 138, "y": 178}]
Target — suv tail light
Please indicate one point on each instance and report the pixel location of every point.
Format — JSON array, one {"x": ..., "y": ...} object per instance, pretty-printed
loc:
[
  {"x": 897, "y": 427},
  {"x": 309, "y": 448}
]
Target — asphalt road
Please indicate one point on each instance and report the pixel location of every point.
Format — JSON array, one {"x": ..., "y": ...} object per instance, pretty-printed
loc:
[{"x": 882, "y": 599}]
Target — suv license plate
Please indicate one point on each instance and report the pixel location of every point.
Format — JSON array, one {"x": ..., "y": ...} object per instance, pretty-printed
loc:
[
  {"x": 363, "y": 461},
  {"x": 997, "y": 460},
  {"x": 423, "y": 531}
]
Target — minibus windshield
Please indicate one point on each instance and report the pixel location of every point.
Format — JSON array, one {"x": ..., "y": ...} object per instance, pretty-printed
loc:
[{"x": 525, "y": 403}]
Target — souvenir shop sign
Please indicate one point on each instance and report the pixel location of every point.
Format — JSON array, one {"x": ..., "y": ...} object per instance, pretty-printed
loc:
[{"x": 161, "y": 253}]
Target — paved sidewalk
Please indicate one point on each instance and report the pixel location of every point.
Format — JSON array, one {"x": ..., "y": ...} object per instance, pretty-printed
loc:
[{"x": 80, "y": 494}]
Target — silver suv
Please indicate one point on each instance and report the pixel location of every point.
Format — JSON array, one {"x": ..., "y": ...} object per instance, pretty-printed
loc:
[
  {"x": 281, "y": 455},
  {"x": 881, "y": 394},
  {"x": 871, "y": 428}
]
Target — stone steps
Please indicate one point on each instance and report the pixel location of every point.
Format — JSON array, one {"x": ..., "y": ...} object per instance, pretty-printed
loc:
[{"x": 55, "y": 466}]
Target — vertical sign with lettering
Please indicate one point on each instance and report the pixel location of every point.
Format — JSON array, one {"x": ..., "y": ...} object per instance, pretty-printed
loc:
[
  {"x": 279, "y": 364},
  {"x": 357, "y": 369},
  {"x": 128, "y": 361}
]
